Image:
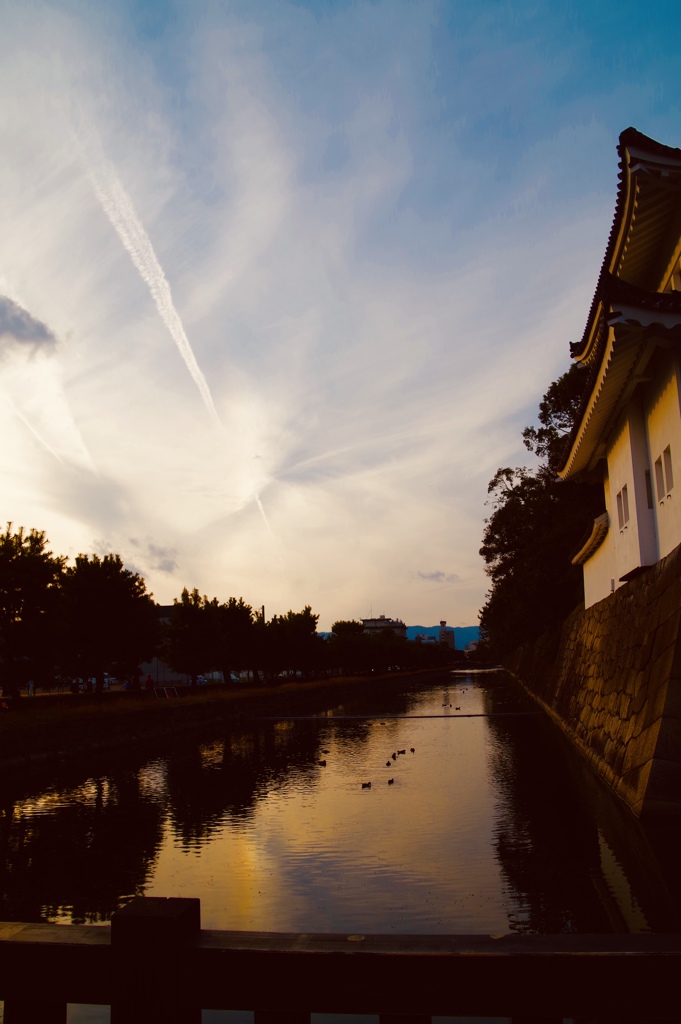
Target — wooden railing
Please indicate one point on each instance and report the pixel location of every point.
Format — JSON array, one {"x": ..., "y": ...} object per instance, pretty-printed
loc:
[{"x": 154, "y": 964}]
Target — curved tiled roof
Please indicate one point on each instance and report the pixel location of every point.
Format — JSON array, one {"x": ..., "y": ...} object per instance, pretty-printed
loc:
[
  {"x": 634, "y": 144},
  {"x": 628, "y": 333},
  {"x": 646, "y": 228},
  {"x": 596, "y": 537}
]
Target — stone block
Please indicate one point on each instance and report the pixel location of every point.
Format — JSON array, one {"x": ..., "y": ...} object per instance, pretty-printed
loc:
[
  {"x": 618, "y": 760},
  {"x": 666, "y": 634},
  {"x": 629, "y": 730},
  {"x": 643, "y": 650},
  {"x": 642, "y": 748},
  {"x": 669, "y": 602},
  {"x": 655, "y": 704},
  {"x": 638, "y": 702},
  {"x": 612, "y": 703}
]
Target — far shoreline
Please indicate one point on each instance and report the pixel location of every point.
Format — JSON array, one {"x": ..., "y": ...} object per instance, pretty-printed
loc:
[{"x": 50, "y": 731}]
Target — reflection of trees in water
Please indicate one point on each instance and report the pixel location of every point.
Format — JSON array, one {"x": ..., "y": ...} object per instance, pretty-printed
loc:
[
  {"x": 210, "y": 785},
  {"x": 206, "y": 792},
  {"x": 79, "y": 847},
  {"x": 76, "y": 852},
  {"x": 350, "y": 737},
  {"x": 545, "y": 842},
  {"x": 559, "y": 832}
]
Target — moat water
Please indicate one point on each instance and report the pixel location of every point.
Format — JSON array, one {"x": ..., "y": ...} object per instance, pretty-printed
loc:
[{"x": 491, "y": 824}]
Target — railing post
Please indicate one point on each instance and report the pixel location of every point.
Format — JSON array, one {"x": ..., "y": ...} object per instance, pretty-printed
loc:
[{"x": 148, "y": 937}]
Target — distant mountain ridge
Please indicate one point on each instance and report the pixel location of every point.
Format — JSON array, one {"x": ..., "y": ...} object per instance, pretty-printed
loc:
[{"x": 463, "y": 635}]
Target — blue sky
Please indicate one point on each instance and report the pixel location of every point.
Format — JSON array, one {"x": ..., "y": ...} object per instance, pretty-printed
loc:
[{"x": 281, "y": 283}]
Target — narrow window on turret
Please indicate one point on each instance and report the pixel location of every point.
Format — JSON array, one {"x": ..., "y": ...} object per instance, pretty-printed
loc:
[
  {"x": 649, "y": 490},
  {"x": 659, "y": 479},
  {"x": 669, "y": 476},
  {"x": 623, "y": 507}
]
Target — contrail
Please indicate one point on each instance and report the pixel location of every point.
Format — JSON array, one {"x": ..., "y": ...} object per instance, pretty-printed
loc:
[
  {"x": 264, "y": 517},
  {"x": 38, "y": 436},
  {"x": 119, "y": 208}
]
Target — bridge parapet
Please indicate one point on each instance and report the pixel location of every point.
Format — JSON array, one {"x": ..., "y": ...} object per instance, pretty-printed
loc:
[{"x": 154, "y": 964}]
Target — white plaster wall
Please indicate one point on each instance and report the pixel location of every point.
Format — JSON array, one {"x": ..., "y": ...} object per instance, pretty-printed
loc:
[
  {"x": 626, "y": 543},
  {"x": 663, "y": 414},
  {"x": 640, "y": 458},
  {"x": 599, "y": 571}
]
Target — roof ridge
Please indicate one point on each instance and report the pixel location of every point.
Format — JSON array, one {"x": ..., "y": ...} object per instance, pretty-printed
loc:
[
  {"x": 633, "y": 137},
  {"x": 630, "y": 137}
]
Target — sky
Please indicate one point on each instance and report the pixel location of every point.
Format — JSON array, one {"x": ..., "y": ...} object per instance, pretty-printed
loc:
[{"x": 282, "y": 282}]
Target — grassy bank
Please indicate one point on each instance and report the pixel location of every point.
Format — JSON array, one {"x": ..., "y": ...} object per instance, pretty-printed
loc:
[{"x": 64, "y": 728}]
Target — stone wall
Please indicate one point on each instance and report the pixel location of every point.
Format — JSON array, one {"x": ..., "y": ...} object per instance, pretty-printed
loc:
[{"x": 612, "y": 681}]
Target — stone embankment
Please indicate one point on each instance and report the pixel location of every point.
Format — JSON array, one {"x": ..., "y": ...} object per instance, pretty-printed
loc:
[{"x": 612, "y": 682}]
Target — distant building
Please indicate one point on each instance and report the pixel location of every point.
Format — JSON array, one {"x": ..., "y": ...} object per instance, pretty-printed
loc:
[
  {"x": 446, "y": 635},
  {"x": 384, "y": 625},
  {"x": 425, "y": 638}
]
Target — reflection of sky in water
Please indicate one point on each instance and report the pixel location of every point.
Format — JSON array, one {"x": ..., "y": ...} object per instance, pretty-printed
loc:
[
  {"x": 320, "y": 853},
  {"x": 488, "y": 827}
]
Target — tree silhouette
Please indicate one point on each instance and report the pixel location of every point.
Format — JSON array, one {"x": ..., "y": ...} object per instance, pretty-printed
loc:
[
  {"x": 204, "y": 635},
  {"x": 29, "y": 581},
  {"x": 558, "y": 411},
  {"x": 535, "y": 526},
  {"x": 109, "y": 620},
  {"x": 188, "y": 644},
  {"x": 292, "y": 644},
  {"x": 232, "y": 634}
]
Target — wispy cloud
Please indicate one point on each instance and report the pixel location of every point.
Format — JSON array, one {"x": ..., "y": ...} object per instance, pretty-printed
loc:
[
  {"x": 369, "y": 252},
  {"x": 438, "y": 576},
  {"x": 154, "y": 557}
]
